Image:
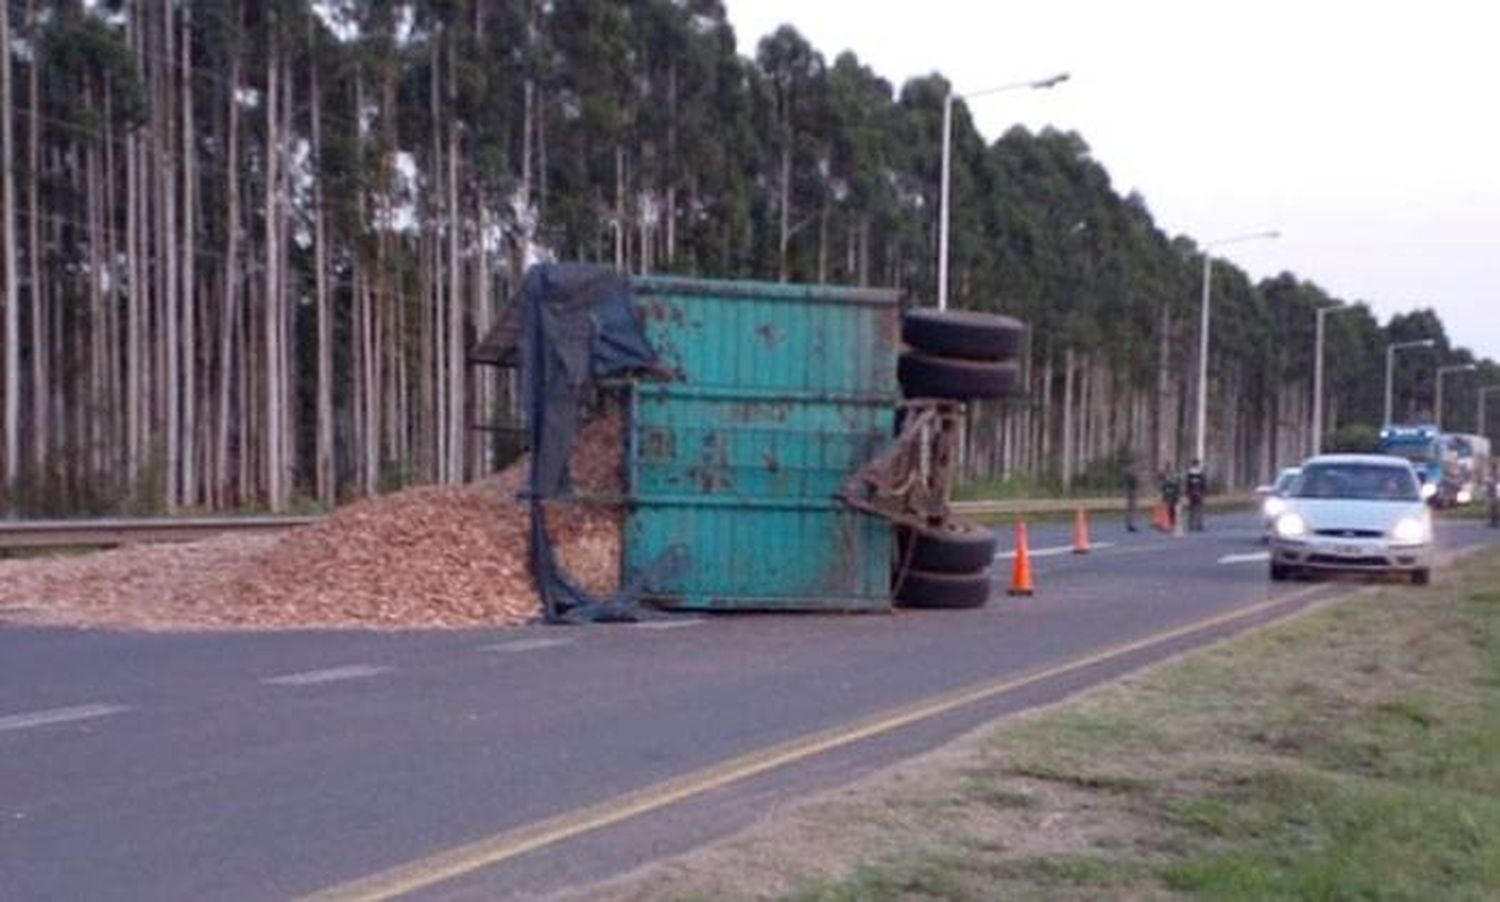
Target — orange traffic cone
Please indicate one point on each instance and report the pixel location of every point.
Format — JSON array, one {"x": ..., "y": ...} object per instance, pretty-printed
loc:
[
  {"x": 1160, "y": 521},
  {"x": 1081, "y": 532},
  {"x": 1020, "y": 574}
]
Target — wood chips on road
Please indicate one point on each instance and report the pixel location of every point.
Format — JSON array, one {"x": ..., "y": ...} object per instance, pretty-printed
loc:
[{"x": 426, "y": 557}]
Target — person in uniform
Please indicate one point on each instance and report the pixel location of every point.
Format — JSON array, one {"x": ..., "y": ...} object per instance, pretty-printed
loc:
[
  {"x": 1170, "y": 492},
  {"x": 1131, "y": 486},
  {"x": 1197, "y": 489}
]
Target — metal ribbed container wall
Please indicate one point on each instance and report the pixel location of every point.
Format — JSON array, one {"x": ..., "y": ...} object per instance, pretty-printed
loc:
[{"x": 782, "y": 392}]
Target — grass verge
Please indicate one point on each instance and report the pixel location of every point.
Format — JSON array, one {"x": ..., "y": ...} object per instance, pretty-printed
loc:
[{"x": 1351, "y": 752}]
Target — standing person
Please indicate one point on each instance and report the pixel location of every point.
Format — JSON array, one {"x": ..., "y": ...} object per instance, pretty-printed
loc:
[
  {"x": 1197, "y": 488},
  {"x": 1131, "y": 486},
  {"x": 1492, "y": 488},
  {"x": 1170, "y": 492}
]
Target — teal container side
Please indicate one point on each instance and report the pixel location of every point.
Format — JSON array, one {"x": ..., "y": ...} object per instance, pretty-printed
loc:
[
  {"x": 781, "y": 393},
  {"x": 752, "y": 448},
  {"x": 770, "y": 336},
  {"x": 742, "y": 557}
]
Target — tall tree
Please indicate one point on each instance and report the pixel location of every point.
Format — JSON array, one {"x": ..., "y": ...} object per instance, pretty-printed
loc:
[{"x": 12, "y": 275}]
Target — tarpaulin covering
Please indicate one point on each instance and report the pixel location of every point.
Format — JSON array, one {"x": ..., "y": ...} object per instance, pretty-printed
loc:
[{"x": 576, "y": 325}]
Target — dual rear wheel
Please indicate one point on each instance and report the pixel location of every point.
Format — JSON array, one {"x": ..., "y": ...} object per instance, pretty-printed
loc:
[
  {"x": 949, "y": 566},
  {"x": 958, "y": 355}
]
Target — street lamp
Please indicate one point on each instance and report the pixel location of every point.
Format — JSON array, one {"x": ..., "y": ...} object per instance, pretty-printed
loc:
[
  {"x": 1323, "y": 312},
  {"x": 947, "y": 167},
  {"x": 1390, "y": 366},
  {"x": 1208, "y": 262},
  {"x": 1482, "y": 392},
  {"x": 1437, "y": 400}
]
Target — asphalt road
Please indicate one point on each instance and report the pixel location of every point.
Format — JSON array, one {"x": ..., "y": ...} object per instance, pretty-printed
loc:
[{"x": 270, "y": 765}]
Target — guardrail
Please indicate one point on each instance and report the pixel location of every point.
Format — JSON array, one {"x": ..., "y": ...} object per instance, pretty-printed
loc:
[
  {"x": 105, "y": 533},
  {"x": 111, "y": 532},
  {"x": 1068, "y": 505}
]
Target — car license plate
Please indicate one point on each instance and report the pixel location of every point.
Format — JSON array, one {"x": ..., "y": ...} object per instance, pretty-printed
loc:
[{"x": 1348, "y": 550}]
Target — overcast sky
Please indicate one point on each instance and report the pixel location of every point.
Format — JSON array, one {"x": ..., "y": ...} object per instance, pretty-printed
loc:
[{"x": 1368, "y": 133}]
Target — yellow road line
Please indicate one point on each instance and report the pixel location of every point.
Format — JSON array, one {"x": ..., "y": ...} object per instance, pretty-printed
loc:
[{"x": 501, "y": 847}]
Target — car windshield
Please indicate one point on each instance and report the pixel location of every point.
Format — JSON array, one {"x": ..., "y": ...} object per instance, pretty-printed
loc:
[
  {"x": 1284, "y": 481},
  {"x": 1362, "y": 482}
]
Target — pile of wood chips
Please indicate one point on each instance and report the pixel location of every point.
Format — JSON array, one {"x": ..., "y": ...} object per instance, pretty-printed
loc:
[{"x": 427, "y": 557}]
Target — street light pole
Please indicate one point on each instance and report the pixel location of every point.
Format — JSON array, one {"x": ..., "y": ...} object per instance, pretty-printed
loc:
[
  {"x": 1482, "y": 392},
  {"x": 1390, "y": 367},
  {"x": 1317, "y": 423},
  {"x": 1208, "y": 263},
  {"x": 1437, "y": 401},
  {"x": 945, "y": 189}
]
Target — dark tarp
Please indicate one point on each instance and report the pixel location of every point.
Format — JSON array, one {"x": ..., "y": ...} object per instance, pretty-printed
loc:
[{"x": 573, "y": 324}]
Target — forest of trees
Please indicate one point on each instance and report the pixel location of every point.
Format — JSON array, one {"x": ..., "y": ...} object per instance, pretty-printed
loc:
[{"x": 247, "y": 243}]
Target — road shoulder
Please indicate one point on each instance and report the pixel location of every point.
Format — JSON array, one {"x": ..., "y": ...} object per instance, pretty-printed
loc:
[{"x": 1222, "y": 768}]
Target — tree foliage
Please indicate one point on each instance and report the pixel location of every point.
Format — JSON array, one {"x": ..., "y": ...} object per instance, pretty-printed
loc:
[{"x": 253, "y": 241}]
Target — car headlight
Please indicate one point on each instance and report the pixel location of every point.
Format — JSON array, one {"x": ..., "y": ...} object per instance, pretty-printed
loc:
[
  {"x": 1290, "y": 526},
  {"x": 1410, "y": 530},
  {"x": 1428, "y": 490},
  {"x": 1274, "y": 507},
  {"x": 1464, "y": 496}
]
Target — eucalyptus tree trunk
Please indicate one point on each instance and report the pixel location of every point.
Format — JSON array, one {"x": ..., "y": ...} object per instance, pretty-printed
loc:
[
  {"x": 12, "y": 288},
  {"x": 455, "y": 400},
  {"x": 114, "y": 414},
  {"x": 95, "y": 430},
  {"x": 271, "y": 286},
  {"x": 784, "y": 223},
  {"x": 230, "y": 310},
  {"x": 434, "y": 346},
  {"x": 1068, "y": 418},
  {"x": 323, "y": 454},
  {"x": 170, "y": 303},
  {"x": 40, "y": 383},
  {"x": 135, "y": 302},
  {"x": 620, "y": 259},
  {"x": 1160, "y": 426},
  {"x": 189, "y": 487}
]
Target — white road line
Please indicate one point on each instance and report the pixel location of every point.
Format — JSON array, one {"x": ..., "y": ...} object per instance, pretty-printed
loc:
[
  {"x": 521, "y": 645},
  {"x": 58, "y": 715},
  {"x": 333, "y": 674},
  {"x": 1053, "y": 551},
  {"x": 1254, "y": 557},
  {"x": 666, "y": 624}
]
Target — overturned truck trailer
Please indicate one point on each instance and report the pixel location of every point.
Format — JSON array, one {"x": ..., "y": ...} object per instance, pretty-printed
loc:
[
  {"x": 779, "y": 393},
  {"x": 770, "y": 461}
]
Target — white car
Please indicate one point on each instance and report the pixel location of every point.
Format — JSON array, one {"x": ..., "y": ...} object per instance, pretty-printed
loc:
[
  {"x": 1273, "y": 498},
  {"x": 1354, "y": 512}
]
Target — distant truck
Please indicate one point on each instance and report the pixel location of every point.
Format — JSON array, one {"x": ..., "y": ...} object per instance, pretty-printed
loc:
[
  {"x": 1421, "y": 444},
  {"x": 1450, "y": 465},
  {"x": 1472, "y": 455}
]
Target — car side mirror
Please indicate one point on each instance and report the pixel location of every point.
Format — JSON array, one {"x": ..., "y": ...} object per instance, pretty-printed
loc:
[{"x": 1262, "y": 491}]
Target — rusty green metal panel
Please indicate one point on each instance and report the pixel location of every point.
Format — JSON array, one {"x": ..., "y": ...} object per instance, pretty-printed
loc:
[{"x": 780, "y": 392}]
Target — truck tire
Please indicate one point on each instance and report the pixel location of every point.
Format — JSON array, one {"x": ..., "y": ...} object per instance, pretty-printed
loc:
[
  {"x": 953, "y": 379},
  {"x": 952, "y": 591},
  {"x": 963, "y": 333},
  {"x": 951, "y": 548}
]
